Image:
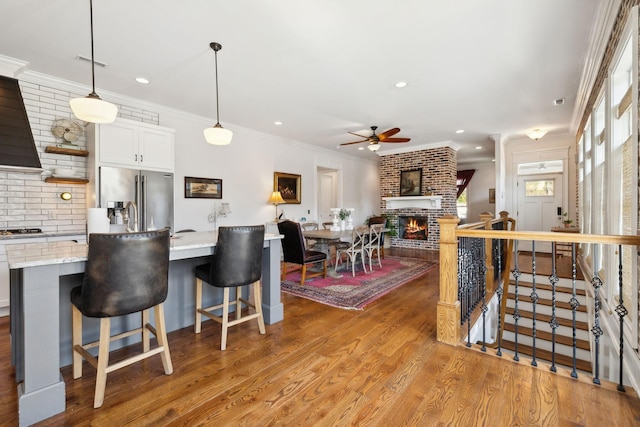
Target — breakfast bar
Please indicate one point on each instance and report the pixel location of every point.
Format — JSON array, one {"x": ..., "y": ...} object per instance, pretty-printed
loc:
[{"x": 42, "y": 275}]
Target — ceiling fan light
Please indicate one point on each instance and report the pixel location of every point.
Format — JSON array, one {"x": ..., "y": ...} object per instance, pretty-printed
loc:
[
  {"x": 93, "y": 109},
  {"x": 373, "y": 147},
  {"x": 218, "y": 135}
]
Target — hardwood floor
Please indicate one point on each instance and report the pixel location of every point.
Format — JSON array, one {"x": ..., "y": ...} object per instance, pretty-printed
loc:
[{"x": 330, "y": 367}]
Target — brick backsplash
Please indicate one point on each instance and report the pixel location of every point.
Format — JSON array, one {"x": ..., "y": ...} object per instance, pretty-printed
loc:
[
  {"x": 25, "y": 199},
  {"x": 439, "y": 171}
]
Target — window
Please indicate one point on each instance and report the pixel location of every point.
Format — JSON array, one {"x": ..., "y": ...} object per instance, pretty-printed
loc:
[
  {"x": 461, "y": 204},
  {"x": 539, "y": 187}
]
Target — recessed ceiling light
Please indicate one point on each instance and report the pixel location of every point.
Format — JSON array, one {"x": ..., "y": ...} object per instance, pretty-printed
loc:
[
  {"x": 559, "y": 101},
  {"x": 142, "y": 80},
  {"x": 360, "y": 148},
  {"x": 401, "y": 84},
  {"x": 460, "y": 131},
  {"x": 479, "y": 147},
  {"x": 277, "y": 123}
]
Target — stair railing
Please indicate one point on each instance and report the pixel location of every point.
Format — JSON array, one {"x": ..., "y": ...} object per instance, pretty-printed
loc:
[{"x": 452, "y": 284}]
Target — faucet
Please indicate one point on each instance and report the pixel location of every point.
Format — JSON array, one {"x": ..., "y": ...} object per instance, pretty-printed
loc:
[{"x": 135, "y": 217}]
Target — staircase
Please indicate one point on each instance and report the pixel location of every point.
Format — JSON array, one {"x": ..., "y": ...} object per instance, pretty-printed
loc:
[{"x": 564, "y": 333}]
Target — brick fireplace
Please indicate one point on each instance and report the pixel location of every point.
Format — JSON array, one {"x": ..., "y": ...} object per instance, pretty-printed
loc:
[{"x": 439, "y": 165}]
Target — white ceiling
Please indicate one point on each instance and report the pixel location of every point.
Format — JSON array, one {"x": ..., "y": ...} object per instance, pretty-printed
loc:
[{"x": 326, "y": 67}]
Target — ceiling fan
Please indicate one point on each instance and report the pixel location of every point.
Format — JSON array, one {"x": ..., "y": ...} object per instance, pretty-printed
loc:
[{"x": 374, "y": 140}]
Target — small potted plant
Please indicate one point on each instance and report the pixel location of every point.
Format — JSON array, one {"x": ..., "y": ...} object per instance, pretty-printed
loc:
[
  {"x": 566, "y": 220},
  {"x": 343, "y": 215}
]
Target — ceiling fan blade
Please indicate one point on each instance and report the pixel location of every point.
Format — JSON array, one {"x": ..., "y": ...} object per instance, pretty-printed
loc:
[
  {"x": 396, "y": 140},
  {"x": 355, "y": 142},
  {"x": 359, "y": 136},
  {"x": 386, "y": 134}
]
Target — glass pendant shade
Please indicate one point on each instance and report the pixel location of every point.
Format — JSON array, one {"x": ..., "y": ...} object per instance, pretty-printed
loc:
[
  {"x": 373, "y": 147},
  {"x": 218, "y": 135},
  {"x": 93, "y": 109}
]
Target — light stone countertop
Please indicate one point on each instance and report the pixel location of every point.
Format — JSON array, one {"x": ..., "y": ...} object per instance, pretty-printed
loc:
[{"x": 183, "y": 245}]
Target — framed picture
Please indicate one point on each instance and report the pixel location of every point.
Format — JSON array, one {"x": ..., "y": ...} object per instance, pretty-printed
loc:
[
  {"x": 202, "y": 188},
  {"x": 288, "y": 185},
  {"x": 492, "y": 195},
  {"x": 411, "y": 183}
]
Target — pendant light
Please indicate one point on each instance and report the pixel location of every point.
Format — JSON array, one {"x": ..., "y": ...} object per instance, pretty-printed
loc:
[
  {"x": 217, "y": 135},
  {"x": 91, "y": 108}
]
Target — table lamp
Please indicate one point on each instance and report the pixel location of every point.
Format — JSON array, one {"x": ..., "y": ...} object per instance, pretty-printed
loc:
[{"x": 276, "y": 199}]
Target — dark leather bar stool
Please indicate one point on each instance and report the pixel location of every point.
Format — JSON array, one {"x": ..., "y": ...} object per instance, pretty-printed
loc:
[
  {"x": 236, "y": 262},
  {"x": 125, "y": 273},
  {"x": 294, "y": 252}
]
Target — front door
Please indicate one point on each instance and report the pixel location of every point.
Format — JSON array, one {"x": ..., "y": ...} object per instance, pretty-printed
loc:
[{"x": 539, "y": 199}]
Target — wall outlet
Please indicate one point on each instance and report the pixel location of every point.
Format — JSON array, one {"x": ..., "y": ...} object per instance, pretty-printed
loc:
[{"x": 52, "y": 215}]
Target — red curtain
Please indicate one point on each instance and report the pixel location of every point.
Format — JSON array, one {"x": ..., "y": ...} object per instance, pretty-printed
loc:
[{"x": 463, "y": 180}]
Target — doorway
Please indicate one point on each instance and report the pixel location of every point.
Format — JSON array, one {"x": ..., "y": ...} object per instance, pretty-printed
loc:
[
  {"x": 327, "y": 192},
  {"x": 540, "y": 199}
]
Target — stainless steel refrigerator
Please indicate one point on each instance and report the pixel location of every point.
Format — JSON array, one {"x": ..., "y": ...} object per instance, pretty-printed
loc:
[{"x": 152, "y": 192}]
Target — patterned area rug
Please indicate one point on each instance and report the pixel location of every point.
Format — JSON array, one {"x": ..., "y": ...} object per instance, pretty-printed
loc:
[{"x": 354, "y": 293}]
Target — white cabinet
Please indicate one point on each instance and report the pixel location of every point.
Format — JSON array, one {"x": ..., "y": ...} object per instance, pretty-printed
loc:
[{"x": 132, "y": 144}]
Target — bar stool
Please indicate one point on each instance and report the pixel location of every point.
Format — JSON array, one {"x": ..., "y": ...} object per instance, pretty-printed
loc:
[
  {"x": 125, "y": 273},
  {"x": 237, "y": 262}
]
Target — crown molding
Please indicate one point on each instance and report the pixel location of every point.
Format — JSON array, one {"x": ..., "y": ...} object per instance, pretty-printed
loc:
[
  {"x": 598, "y": 39},
  {"x": 412, "y": 148}
]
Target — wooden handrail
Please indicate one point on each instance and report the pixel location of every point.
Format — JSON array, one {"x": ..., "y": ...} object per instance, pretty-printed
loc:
[{"x": 549, "y": 236}]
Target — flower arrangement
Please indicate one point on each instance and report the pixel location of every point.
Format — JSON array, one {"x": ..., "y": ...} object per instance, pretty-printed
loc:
[{"x": 344, "y": 214}]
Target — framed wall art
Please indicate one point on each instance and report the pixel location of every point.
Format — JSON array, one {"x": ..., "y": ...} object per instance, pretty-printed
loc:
[
  {"x": 492, "y": 195},
  {"x": 289, "y": 186},
  {"x": 411, "y": 183},
  {"x": 202, "y": 188}
]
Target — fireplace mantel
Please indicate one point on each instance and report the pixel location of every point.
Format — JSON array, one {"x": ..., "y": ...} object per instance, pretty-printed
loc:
[{"x": 417, "y": 202}]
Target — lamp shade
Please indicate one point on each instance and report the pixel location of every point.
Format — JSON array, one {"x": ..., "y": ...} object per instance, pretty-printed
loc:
[
  {"x": 276, "y": 198},
  {"x": 373, "y": 147},
  {"x": 218, "y": 135},
  {"x": 93, "y": 109}
]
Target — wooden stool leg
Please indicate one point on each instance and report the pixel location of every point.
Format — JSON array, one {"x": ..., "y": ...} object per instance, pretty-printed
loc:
[
  {"x": 76, "y": 324},
  {"x": 238, "y": 303},
  {"x": 257, "y": 302},
  {"x": 161, "y": 335},
  {"x": 225, "y": 319},
  {"x": 198, "y": 322},
  {"x": 304, "y": 274},
  {"x": 103, "y": 361},
  {"x": 146, "y": 334}
]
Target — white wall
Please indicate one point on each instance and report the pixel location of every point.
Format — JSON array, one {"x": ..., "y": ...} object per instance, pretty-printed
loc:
[{"x": 478, "y": 190}]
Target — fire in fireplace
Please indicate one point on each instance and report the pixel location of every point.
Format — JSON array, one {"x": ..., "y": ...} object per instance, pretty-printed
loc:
[{"x": 413, "y": 227}]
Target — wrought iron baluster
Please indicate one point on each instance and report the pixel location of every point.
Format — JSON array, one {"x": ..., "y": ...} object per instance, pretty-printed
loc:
[
  {"x": 483, "y": 291},
  {"x": 534, "y": 300},
  {"x": 596, "y": 330},
  {"x": 574, "y": 307},
  {"x": 516, "y": 312},
  {"x": 553, "y": 323},
  {"x": 499, "y": 292},
  {"x": 621, "y": 311}
]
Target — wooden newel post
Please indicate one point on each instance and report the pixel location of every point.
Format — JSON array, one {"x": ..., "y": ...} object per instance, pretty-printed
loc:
[
  {"x": 487, "y": 217},
  {"x": 448, "y": 311}
]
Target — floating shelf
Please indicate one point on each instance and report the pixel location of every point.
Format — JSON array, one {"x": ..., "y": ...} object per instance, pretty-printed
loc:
[
  {"x": 56, "y": 180},
  {"x": 418, "y": 202},
  {"x": 63, "y": 150}
]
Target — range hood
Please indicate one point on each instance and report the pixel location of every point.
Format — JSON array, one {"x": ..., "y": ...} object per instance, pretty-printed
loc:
[{"x": 17, "y": 147}]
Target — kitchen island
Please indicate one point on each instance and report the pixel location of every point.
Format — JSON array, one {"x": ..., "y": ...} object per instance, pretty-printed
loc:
[{"x": 42, "y": 275}]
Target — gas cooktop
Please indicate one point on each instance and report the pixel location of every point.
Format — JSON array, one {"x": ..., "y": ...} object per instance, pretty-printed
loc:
[{"x": 14, "y": 231}]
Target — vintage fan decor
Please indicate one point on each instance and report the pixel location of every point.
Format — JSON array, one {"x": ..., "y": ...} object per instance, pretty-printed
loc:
[
  {"x": 67, "y": 130},
  {"x": 375, "y": 140}
]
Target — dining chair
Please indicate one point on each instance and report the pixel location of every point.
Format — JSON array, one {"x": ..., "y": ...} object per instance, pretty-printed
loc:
[
  {"x": 309, "y": 226},
  {"x": 125, "y": 273},
  {"x": 355, "y": 248},
  {"x": 379, "y": 220},
  {"x": 236, "y": 262},
  {"x": 373, "y": 243},
  {"x": 295, "y": 253}
]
